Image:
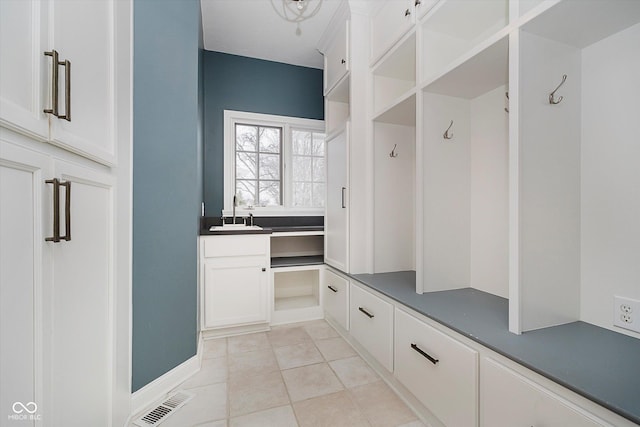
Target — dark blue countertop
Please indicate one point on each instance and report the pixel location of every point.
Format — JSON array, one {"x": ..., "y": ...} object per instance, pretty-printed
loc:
[{"x": 599, "y": 364}]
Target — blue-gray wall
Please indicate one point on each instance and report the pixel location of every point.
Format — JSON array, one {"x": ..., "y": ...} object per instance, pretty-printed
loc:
[
  {"x": 166, "y": 184},
  {"x": 245, "y": 84}
]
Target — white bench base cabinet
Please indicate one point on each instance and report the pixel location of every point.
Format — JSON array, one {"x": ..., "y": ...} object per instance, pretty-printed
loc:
[
  {"x": 336, "y": 298},
  {"x": 371, "y": 324},
  {"x": 439, "y": 370}
]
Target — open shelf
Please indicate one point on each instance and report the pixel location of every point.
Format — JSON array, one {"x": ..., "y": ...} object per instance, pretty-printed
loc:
[
  {"x": 291, "y": 303},
  {"x": 403, "y": 112},
  {"x": 478, "y": 75},
  {"x": 456, "y": 27},
  {"x": 395, "y": 75},
  {"x": 337, "y": 105},
  {"x": 293, "y": 261}
]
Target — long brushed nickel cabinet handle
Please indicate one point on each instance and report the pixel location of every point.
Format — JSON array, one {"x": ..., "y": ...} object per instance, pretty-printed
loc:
[
  {"x": 56, "y": 211},
  {"x": 54, "y": 84},
  {"x": 67, "y": 211},
  {"x": 67, "y": 90}
]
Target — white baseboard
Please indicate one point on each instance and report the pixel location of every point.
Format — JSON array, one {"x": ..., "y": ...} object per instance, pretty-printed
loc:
[{"x": 158, "y": 388}]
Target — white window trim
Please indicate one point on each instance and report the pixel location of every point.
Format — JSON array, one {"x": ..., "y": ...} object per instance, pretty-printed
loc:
[{"x": 232, "y": 117}]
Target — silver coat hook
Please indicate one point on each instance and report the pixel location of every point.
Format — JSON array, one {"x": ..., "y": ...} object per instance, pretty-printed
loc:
[
  {"x": 393, "y": 152},
  {"x": 552, "y": 99},
  {"x": 446, "y": 133}
]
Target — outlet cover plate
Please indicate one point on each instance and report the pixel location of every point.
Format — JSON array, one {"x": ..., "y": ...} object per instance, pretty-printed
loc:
[{"x": 626, "y": 313}]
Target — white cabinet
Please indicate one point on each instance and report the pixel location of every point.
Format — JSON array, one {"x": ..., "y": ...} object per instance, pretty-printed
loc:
[
  {"x": 24, "y": 86},
  {"x": 22, "y": 270},
  {"x": 91, "y": 131},
  {"x": 65, "y": 302},
  {"x": 423, "y": 6},
  {"x": 84, "y": 37},
  {"x": 529, "y": 404},
  {"x": 371, "y": 324},
  {"x": 82, "y": 300},
  {"x": 336, "y": 59},
  {"x": 235, "y": 280},
  {"x": 336, "y": 298},
  {"x": 58, "y": 296},
  {"x": 439, "y": 370},
  {"x": 389, "y": 23},
  {"x": 337, "y": 202}
]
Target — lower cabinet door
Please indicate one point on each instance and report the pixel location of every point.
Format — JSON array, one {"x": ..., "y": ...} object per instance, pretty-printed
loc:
[
  {"x": 439, "y": 370},
  {"x": 371, "y": 324},
  {"x": 509, "y": 399},
  {"x": 236, "y": 292},
  {"x": 336, "y": 298}
]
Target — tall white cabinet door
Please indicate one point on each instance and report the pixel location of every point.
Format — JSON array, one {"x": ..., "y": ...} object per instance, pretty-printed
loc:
[
  {"x": 23, "y": 67},
  {"x": 22, "y": 175},
  {"x": 336, "y": 228},
  {"x": 82, "y": 318},
  {"x": 83, "y": 33}
]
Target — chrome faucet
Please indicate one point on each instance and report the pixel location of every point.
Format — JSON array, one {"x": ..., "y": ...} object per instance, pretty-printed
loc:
[{"x": 235, "y": 202}]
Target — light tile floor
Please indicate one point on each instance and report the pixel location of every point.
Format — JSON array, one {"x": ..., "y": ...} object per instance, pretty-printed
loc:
[{"x": 300, "y": 375}]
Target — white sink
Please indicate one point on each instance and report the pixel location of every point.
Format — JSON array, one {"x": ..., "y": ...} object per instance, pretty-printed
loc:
[{"x": 235, "y": 227}]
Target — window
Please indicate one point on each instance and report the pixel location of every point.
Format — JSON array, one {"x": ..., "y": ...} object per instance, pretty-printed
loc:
[
  {"x": 308, "y": 173},
  {"x": 274, "y": 164},
  {"x": 258, "y": 165}
]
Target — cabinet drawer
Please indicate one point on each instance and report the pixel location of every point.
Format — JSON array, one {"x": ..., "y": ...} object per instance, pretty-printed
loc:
[
  {"x": 529, "y": 404},
  {"x": 371, "y": 324},
  {"x": 448, "y": 384},
  {"x": 240, "y": 245},
  {"x": 336, "y": 298}
]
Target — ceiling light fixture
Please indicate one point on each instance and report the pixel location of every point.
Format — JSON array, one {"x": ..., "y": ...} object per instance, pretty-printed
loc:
[{"x": 296, "y": 10}]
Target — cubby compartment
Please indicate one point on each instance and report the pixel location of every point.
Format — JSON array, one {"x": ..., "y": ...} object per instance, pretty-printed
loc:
[
  {"x": 455, "y": 29},
  {"x": 577, "y": 210},
  {"x": 394, "y": 78},
  {"x": 296, "y": 288},
  {"x": 394, "y": 193},
  {"x": 337, "y": 106},
  {"x": 465, "y": 134},
  {"x": 297, "y": 270}
]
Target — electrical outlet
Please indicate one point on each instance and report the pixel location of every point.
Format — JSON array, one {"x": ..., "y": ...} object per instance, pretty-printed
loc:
[{"x": 626, "y": 313}]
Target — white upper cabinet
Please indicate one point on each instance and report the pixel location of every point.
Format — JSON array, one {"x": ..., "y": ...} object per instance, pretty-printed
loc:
[
  {"x": 336, "y": 59},
  {"x": 91, "y": 105},
  {"x": 23, "y": 86},
  {"x": 79, "y": 89},
  {"x": 389, "y": 23},
  {"x": 423, "y": 6}
]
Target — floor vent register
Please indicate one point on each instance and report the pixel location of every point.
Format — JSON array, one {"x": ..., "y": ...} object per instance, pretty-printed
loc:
[{"x": 160, "y": 413}]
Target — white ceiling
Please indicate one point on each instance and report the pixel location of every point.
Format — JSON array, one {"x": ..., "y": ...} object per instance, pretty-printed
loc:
[{"x": 253, "y": 28}]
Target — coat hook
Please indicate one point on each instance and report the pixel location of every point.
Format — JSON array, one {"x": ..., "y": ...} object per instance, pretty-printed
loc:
[
  {"x": 507, "y": 95},
  {"x": 393, "y": 152},
  {"x": 446, "y": 133},
  {"x": 552, "y": 99}
]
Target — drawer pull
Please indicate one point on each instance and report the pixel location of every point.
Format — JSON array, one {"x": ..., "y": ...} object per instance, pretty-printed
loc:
[
  {"x": 332, "y": 288},
  {"x": 430, "y": 358},
  {"x": 369, "y": 315}
]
